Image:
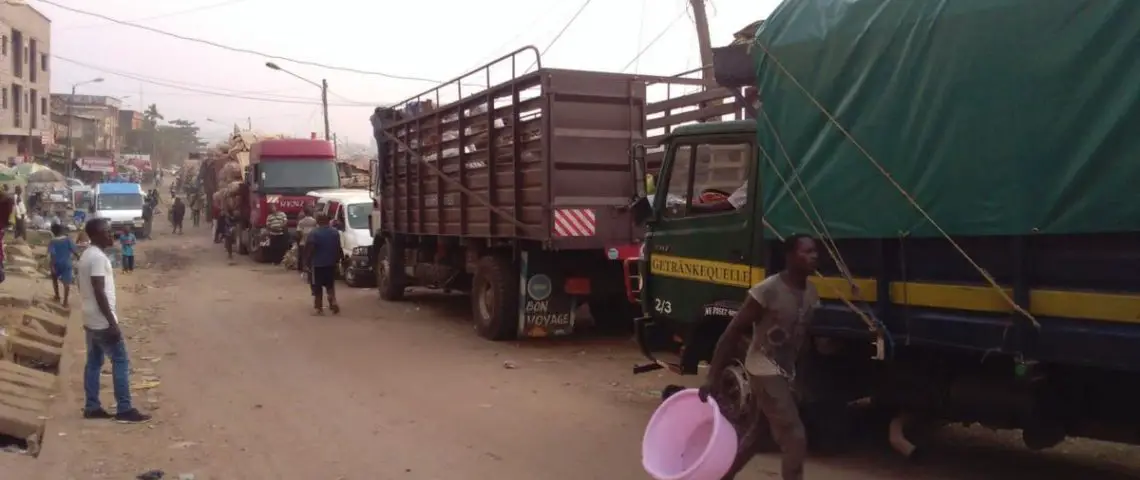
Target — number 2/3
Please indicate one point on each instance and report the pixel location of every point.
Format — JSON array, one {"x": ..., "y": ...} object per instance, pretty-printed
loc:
[{"x": 662, "y": 306}]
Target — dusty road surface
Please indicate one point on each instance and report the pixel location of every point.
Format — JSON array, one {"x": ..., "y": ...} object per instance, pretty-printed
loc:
[{"x": 246, "y": 385}]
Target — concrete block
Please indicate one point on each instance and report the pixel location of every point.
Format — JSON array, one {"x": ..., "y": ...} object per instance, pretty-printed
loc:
[
  {"x": 44, "y": 302},
  {"x": 51, "y": 323},
  {"x": 42, "y": 379},
  {"x": 23, "y": 348},
  {"x": 20, "y": 423},
  {"x": 32, "y": 333},
  {"x": 12, "y": 389}
]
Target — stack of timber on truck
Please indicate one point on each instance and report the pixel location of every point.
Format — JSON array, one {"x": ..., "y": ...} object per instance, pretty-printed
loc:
[
  {"x": 933, "y": 179},
  {"x": 518, "y": 194}
]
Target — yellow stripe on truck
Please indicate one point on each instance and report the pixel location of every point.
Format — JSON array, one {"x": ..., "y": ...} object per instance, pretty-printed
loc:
[{"x": 1109, "y": 307}]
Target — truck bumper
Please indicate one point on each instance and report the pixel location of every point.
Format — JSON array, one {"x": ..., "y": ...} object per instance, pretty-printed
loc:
[{"x": 360, "y": 264}]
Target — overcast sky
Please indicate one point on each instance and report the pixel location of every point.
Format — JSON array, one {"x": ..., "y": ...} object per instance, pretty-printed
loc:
[{"x": 430, "y": 39}]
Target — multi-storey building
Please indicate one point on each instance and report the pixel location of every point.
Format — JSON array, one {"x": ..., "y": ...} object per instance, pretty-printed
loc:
[{"x": 25, "y": 80}]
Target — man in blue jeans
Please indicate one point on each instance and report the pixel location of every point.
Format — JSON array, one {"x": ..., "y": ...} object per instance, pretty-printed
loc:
[{"x": 97, "y": 288}]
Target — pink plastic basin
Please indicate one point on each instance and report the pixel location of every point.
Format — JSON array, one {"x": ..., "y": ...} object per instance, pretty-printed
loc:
[{"x": 688, "y": 439}]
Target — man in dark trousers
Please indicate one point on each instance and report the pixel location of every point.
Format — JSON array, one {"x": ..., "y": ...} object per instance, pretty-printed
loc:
[
  {"x": 322, "y": 252},
  {"x": 177, "y": 214},
  {"x": 778, "y": 310}
]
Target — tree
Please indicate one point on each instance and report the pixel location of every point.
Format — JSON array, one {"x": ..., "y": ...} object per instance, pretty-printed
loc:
[
  {"x": 175, "y": 141},
  {"x": 151, "y": 116}
]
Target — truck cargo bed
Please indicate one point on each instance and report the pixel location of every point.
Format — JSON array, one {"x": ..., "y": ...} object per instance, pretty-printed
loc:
[{"x": 556, "y": 159}]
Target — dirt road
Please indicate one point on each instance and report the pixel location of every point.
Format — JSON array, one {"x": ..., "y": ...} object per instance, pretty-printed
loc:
[{"x": 246, "y": 384}]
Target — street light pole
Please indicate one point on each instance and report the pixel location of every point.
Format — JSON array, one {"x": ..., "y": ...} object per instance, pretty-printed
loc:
[
  {"x": 324, "y": 86},
  {"x": 71, "y": 120},
  {"x": 325, "y": 105}
]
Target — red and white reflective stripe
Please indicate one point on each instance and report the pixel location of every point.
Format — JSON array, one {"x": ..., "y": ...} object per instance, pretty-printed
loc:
[{"x": 574, "y": 222}]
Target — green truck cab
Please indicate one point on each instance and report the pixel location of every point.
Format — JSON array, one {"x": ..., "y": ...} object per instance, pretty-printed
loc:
[{"x": 982, "y": 253}]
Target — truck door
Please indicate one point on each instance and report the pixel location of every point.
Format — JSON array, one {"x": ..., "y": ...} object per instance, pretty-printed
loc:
[{"x": 697, "y": 256}]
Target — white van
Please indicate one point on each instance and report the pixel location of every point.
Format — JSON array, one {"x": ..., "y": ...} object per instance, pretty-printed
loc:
[
  {"x": 121, "y": 204},
  {"x": 348, "y": 211}
]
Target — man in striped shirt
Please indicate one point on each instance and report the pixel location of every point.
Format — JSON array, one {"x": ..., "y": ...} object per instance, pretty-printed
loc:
[{"x": 276, "y": 224}]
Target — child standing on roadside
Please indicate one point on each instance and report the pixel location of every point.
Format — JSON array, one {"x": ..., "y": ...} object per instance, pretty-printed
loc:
[
  {"x": 127, "y": 242},
  {"x": 61, "y": 250}
]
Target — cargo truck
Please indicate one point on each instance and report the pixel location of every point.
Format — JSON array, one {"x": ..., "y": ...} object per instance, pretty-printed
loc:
[
  {"x": 978, "y": 218},
  {"x": 518, "y": 193}
]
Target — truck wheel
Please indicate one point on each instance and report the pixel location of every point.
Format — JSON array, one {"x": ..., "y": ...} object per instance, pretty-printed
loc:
[
  {"x": 495, "y": 298},
  {"x": 389, "y": 274}
]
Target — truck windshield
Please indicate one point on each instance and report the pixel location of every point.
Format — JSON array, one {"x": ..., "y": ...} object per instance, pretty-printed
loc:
[
  {"x": 119, "y": 201},
  {"x": 358, "y": 215},
  {"x": 302, "y": 175}
]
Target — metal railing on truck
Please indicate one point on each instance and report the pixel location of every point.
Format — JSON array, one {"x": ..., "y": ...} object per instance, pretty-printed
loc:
[
  {"x": 686, "y": 99},
  {"x": 542, "y": 156}
]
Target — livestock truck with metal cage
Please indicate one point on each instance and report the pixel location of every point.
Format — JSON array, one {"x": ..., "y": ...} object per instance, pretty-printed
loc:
[
  {"x": 969, "y": 171},
  {"x": 516, "y": 191}
]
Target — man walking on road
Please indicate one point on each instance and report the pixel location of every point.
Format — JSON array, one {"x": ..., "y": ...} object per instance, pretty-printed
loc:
[
  {"x": 177, "y": 214},
  {"x": 322, "y": 252},
  {"x": 778, "y": 311},
  {"x": 307, "y": 223},
  {"x": 195, "y": 209},
  {"x": 276, "y": 223},
  {"x": 101, "y": 325},
  {"x": 21, "y": 213}
]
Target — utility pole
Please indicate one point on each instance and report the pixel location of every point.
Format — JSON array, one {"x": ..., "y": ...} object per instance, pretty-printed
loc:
[
  {"x": 325, "y": 105},
  {"x": 701, "y": 19},
  {"x": 71, "y": 120},
  {"x": 336, "y": 149}
]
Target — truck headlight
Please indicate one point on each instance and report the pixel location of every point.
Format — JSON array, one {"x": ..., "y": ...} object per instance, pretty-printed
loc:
[{"x": 360, "y": 251}]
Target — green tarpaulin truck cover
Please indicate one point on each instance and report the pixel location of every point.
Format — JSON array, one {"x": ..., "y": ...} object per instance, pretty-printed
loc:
[{"x": 1000, "y": 117}]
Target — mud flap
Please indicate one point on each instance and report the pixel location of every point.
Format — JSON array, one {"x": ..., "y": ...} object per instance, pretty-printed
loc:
[{"x": 545, "y": 310}]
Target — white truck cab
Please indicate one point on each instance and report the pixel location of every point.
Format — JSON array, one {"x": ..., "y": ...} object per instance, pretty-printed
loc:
[
  {"x": 348, "y": 211},
  {"x": 121, "y": 204}
]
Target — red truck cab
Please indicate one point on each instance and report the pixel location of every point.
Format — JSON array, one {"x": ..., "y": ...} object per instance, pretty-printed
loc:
[{"x": 282, "y": 172}]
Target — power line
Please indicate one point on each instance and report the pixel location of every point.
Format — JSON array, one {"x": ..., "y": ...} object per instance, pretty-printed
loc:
[
  {"x": 177, "y": 83},
  {"x": 237, "y": 49},
  {"x": 282, "y": 100},
  {"x": 560, "y": 32},
  {"x": 655, "y": 39},
  {"x": 163, "y": 15},
  {"x": 566, "y": 27},
  {"x": 640, "y": 33}
]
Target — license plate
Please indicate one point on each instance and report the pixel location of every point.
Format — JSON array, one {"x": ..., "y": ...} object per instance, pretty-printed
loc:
[{"x": 265, "y": 243}]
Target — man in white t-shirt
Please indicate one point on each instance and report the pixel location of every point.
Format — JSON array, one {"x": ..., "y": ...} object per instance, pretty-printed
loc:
[{"x": 104, "y": 339}]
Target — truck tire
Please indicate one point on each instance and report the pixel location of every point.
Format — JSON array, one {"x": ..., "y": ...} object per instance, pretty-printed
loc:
[
  {"x": 390, "y": 274},
  {"x": 256, "y": 251},
  {"x": 495, "y": 298}
]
